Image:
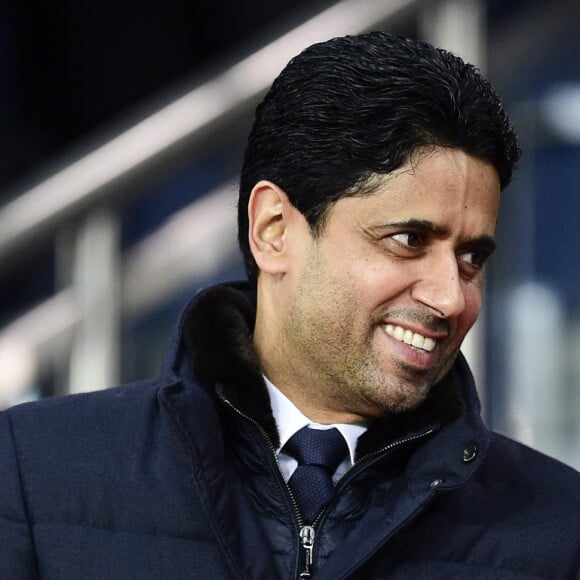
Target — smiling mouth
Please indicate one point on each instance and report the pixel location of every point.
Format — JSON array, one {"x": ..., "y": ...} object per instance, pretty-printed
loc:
[{"x": 411, "y": 338}]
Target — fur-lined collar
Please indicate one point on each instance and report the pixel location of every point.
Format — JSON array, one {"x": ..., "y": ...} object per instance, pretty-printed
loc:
[{"x": 218, "y": 331}]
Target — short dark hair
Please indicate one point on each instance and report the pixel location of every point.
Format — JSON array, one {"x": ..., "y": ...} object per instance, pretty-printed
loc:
[{"x": 355, "y": 106}]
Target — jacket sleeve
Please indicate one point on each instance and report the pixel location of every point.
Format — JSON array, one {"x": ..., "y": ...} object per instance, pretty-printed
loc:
[{"x": 16, "y": 547}]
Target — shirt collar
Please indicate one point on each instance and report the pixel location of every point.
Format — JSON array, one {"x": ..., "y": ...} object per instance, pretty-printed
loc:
[{"x": 289, "y": 419}]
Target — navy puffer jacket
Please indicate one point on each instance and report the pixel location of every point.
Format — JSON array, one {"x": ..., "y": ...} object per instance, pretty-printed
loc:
[{"x": 176, "y": 479}]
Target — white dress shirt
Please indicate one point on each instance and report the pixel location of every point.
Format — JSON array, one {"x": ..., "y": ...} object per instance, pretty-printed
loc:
[{"x": 289, "y": 419}]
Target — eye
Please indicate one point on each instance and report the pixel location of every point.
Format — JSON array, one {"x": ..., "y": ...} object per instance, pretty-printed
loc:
[
  {"x": 409, "y": 239},
  {"x": 474, "y": 258}
]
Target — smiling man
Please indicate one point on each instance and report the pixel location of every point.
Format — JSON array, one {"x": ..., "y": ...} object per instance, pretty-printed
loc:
[{"x": 317, "y": 421}]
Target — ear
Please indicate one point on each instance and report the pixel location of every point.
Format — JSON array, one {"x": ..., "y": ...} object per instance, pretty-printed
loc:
[{"x": 268, "y": 214}]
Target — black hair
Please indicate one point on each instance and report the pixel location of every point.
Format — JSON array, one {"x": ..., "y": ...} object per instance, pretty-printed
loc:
[{"x": 355, "y": 106}]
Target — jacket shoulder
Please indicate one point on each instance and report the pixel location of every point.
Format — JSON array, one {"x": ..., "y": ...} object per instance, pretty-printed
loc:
[
  {"x": 516, "y": 463},
  {"x": 67, "y": 436},
  {"x": 74, "y": 413},
  {"x": 516, "y": 516},
  {"x": 536, "y": 502}
]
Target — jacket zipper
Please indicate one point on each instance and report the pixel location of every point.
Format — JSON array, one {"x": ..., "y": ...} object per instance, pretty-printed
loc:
[
  {"x": 307, "y": 536},
  {"x": 307, "y": 533}
]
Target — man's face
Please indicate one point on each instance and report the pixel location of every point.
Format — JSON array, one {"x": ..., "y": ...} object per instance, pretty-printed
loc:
[{"x": 385, "y": 295}]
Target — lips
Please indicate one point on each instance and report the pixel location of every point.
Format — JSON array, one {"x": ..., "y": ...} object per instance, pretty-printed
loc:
[{"x": 411, "y": 338}]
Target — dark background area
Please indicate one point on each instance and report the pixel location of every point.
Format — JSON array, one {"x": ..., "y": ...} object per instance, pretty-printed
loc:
[{"x": 68, "y": 67}]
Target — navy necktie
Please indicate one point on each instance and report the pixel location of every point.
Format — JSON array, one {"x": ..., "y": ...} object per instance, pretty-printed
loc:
[{"x": 318, "y": 452}]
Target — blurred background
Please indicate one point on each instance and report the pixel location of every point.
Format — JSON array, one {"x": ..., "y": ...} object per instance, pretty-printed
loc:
[{"x": 122, "y": 130}]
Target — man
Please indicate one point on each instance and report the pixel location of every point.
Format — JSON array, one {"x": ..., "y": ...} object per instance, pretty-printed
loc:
[{"x": 368, "y": 200}]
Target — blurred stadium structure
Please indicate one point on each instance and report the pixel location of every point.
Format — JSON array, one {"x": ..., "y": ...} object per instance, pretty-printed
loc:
[{"x": 119, "y": 237}]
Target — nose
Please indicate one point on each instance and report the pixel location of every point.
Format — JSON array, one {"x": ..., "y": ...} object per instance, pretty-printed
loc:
[{"x": 440, "y": 287}]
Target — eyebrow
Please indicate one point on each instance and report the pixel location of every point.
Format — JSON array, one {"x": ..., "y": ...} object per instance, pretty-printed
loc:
[
  {"x": 420, "y": 225},
  {"x": 483, "y": 242}
]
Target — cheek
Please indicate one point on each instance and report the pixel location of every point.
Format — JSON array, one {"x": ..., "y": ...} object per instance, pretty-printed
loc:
[
  {"x": 382, "y": 278},
  {"x": 366, "y": 276},
  {"x": 374, "y": 288}
]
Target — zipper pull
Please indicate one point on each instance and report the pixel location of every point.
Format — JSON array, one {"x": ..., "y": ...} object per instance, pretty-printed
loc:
[{"x": 307, "y": 535}]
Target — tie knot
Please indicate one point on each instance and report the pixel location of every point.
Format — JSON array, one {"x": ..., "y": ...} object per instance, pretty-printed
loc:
[{"x": 324, "y": 448}]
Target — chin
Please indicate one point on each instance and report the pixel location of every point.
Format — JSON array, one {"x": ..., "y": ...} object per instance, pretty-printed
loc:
[{"x": 401, "y": 399}]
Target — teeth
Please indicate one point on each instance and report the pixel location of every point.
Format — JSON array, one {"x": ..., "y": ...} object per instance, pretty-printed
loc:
[{"x": 411, "y": 338}]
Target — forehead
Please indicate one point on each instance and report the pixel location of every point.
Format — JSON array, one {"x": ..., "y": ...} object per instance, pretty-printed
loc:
[{"x": 441, "y": 184}]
